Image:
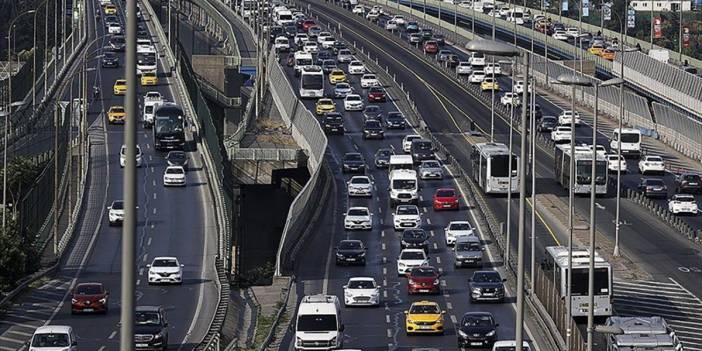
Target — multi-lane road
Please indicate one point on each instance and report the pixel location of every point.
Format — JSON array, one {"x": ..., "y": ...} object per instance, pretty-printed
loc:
[{"x": 172, "y": 222}]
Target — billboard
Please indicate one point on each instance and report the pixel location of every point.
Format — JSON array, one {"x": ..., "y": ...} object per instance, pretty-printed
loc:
[{"x": 657, "y": 28}]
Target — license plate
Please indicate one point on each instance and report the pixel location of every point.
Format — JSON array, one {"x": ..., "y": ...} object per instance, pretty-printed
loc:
[
  {"x": 489, "y": 294},
  {"x": 334, "y": 129},
  {"x": 88, "y": 310},
  {"x": 476, "y": 343},
  {"x": 142, "y": 345},
  {"x": 425, "y": 327},
  {"x": 350, "y": 259},
  {"x": 447, "y": 205},
  {"x": 424, "y": 290}
]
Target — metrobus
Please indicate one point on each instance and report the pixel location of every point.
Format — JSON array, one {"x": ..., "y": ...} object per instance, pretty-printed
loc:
[
  {"x": 583, "y": 169},
  {"x": 169, "y": 127},
  {"x": 490, "y": 168},
  {"x": 311, "y": 82},
  {"x": 556, "y": 268}
]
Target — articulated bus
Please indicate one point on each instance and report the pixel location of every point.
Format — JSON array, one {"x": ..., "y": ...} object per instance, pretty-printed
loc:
[
  {"x": 490, "y": 164},
  {"x": 583, "y": 169},
  {"x": 556, "y": 267},
  {"x": 311, "y": 82}
]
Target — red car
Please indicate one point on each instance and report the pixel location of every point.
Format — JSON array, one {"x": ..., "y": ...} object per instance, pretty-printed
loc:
[
  {"x": 423, "y": 280},
  {"x": 89, "y": 297},
  {"x": 445, "y": 199},
  {"x": 376, "y": 94},
  {"x": 307, "y": 24},
  {"x": 431, "y": 47}
]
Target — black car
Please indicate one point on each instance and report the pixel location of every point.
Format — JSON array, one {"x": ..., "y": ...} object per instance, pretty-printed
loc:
[
  {"x": 290, "y": 31},
  {"x": 111, "y": 20},
  {"x": 350, "y": 252},
  {"x": 323, "y": 56},
  {"x": 373, "y": 112},
  {"x": 117, "y": 43},
  {"x": 653, "y": 187},
  {"x": 547, "y": 124},
  {"x": 353, "y": 162},
  {"x": 421, "y": 150},
  {"x": 426, "y": 34},
  {"x": 275, "y": 32},
  {"x": 439, "y": 39},
  {"x": 333, "y": 122},
  {"x": 338, "y": 45},
  {"x": 538, "y": 113},
  {"x": 382, "y": 157},
  {"x": 328, "y": 65},
  {"x": 487, "y": 286},
  {"x": 372, "y": 129},
  {"x": 109, "y": 59},
  {"x": 177, "y": 158},
  {"x": 688, "y": 183},
  {"x": 150, "y": 328},
  {"x": 477, "y": 329},
  {"x": 395, "y": 120},
  {"x": 415, "y": 238}
]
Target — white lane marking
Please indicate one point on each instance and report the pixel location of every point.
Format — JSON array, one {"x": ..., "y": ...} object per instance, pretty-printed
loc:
[
  {"x": 449, "y": 306},
  {"x": 383, "y": 246},
  {"x": 453, "y": 319},
  {"x": 153, "y": 182},
  {"x": 138, "y": 282},
  {"x": 389, "y": 333},
  {"x": 438, "y": 259},
  {"x": 429, "y": 221},
  {"x": 148, "y": 242},
  {"x": 385, "y": 271},
  {"x": 436, "y": 247},
  {"x": 154, "y": 210},
  {"x": 432, "y": 233},
  {"x": 387, "y": 318}
]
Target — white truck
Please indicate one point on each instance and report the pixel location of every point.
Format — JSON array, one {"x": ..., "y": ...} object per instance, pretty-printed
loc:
[
  {"x": 318, "y": 325},
  {"x": 284, "y": 17}
]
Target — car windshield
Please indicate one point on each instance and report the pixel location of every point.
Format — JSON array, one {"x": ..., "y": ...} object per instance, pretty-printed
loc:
[
  {"x": 174, "y": 171},
  {"x": 50, "y": 340},
  {"x": 375, "y": 90},
  {"x": 118, "y": 205},
  {"x": 654, "y": 159},
  {"x": 316, "y": 323},
  {"x": 395, "y": 116},
  {"x": 424, "y": 272},
  {"x": 412, "y": 255},
  {"x": 117, "y": 110},
  {"x": 371, "y": 109},
  {"x": 404, "y": 184},
  {"x": 350, "y": 245},
  {"x": 330, "y": 119},
  {"x": 384, "y": 153},
  {"x": 176, "y": 156},
  {"x": 468, "y": 247},
  {"x": 353, "y": 157},
  {"x": 360, "y": 180},
  {"x": 407, "y": 210},
  {"x": 340, "y": 86},
  {"x": 88, "y": 290},
  {"x": 477, "y": 321},
  {"x": 418, "y": 234},
  {"x": 445, "y": 193},
  {"x": 372, "y": 124},
  {"x": 654, "y": 182},
  {"x": 422, "y": 145},
  {"x": 684, "y": 198},
  {"x": 361, "y": 284},
  {"x": 548, "y": 119},
  {"x": 424, "y": 309},
  {"x": 460, "y": 226},
  {"x": 691, "y": 178},
  {"x": 431, "y": 164},
  {"x": 358, "y": 212},
  {"x": 164, "y": 263},
  {"x": 147, "y": 318},
  {"x": 486, "y": 277},
  {"x": 353, "y": 98}
]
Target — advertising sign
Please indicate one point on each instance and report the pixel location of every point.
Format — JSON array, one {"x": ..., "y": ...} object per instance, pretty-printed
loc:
[
  {"x": 686, "y": 37},
  {"x": 657, "y": 29}
]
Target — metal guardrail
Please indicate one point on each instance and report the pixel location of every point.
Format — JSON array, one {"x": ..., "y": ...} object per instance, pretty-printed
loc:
[
  {"x": 679, "y": 130},
  {"x": 214, "y": 92},
  {"x": 260, "y": 154}
]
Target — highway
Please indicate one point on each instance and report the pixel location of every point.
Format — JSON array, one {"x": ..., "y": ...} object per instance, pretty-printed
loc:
[
  {"x": 172, "y": 222},
  {"x": 447, "y": 107}
]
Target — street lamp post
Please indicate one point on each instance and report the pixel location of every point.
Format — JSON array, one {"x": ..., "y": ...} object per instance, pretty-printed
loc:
[{"x": 34, "y": 56}]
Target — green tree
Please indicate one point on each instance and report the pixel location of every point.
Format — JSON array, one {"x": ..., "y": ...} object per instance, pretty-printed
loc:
[{"x": 17, "y": 255}]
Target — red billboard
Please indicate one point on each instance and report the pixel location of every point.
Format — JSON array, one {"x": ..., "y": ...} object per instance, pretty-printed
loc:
[{"x": 657, "y": 30}]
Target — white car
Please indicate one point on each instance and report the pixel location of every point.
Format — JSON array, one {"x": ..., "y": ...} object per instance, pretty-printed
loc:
[
  {"x": 504, "y": 11},
  {"x": 145, "y": 46},
  {"x": 682, "y": 203},
  {"x": 601, "y": 150},
  {"x": 174, "y": 176},
  {"x": 510, "y": 98},
  {"x": 115, "y": 212},
  {"x": 477, "y": 59},
  {"x": 281, "y": 44},
  {"x": 560, "y": 35},
  {"x": 464, "y": 67},
  {"x": 301, "y": 38},
  {"x": 51, "y": 338},
  {"x": 153, "y": 96},
  {"x": 431, "y": 169},
  {"x": 165, "y": 270},
  {"x": 649, "y": 164},
  {"x": 572, "y": 32},
  {"x": 561, "y": 134},
  {"x": 406, "y": 217},
  {"x": 361, "y": 291},
  {"x": 360, "y": 186},
  {"x": 465, "y": 4},
  {"x": 358, "y": 218},
  {"x": 399, "y": 19},
  {"x": 476, "y": 77},
  {"x": 613, "y": 165},
  {"x": 518, "y": 87},
  {"x": 369, "y": 80},
  {"x": 493, "y": 68},
  {"x": 323, "y": 35},
  {"x": 391, "y": 25},
  {"x": 123, "y": 156},
  {"x": 328, "y": 43},
  {"x": 457, "y": 228},
  {"x": 407, "y": 141},
  {"x": 310, "y": 47},
  {"x": 358, "y": 10},
  {"x": 410, "y": 259},
  {"x": 566, "y": 118},
  {"x": 353, "y": 102},
  {"x": 356, "y": 67},
  {"x": 114, "y": 28}
]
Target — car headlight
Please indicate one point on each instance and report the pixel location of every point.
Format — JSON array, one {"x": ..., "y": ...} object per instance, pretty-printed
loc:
[
  {"x": 158, "y": 336},
  {"x": 333, "y": 341},
  {"x": 348, "y": 294},
  {"x": 492, "y": 333},
  {"x": 400, "y": 264},
  {"x": 298, "y": 340},
  {"x": 436, "y": 281},
  {"x": 339, "y": 255},
  {"x": 476, "y": 290},
  {"x": 74, "y": 300},
  {"x": 103, "y": 300},
  {"x": 462, "y": 334}
]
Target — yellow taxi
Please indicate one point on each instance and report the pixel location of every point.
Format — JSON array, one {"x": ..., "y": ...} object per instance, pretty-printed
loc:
[
  {"x": 596, "y": 49},
  {"x": 116, "y": 114},
  {"x": 149, "y": 78},
  {"x": 490, "y": 84},
  {"x": 607, "y": 54},
  {"x": 110, "y": 9},
  {"x": 324, "y": 105},
  {"x": 424, "y": 317},
  {"x": 337, "y": 76},
  {"x": 120, "y": 87}
]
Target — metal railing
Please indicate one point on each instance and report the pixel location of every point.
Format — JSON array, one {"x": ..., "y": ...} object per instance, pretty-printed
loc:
[
  {"x": 260, "y": 154},
  {"x": 678, "y": 130}
]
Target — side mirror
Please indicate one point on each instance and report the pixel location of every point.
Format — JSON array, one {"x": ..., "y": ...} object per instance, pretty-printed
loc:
[
  {"x": 470, "y": 279},
  {"x": 406, "y": 312},
  {"x": 165, "y": 324},
  {"x": 504, "y": 280},
  {"x": 74, "y": 343},
  {"x": 497, "y": 325},
  {"x": 148, "y": 266},
  {"x": 345, "y": 287},
  {"x": 182, "y": 265}
]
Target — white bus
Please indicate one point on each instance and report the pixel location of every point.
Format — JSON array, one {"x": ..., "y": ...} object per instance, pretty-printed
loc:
[
  {"x": 583, "y": 169},
  {"x": 147, "y": 62},
  {"x": 556, "y": 267},
  {"x": 490, "y": 168},
  {"x": 311, "y": 82},
  {"x": 630, "y": 139}
]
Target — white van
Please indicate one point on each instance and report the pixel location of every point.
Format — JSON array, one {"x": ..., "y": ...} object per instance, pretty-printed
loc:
[
  {"x": 150, "y": 106},
  {"x": 400, "y": 162},
  {"x": 404, "y": 187},
  {"x": 630, "y": 139},
  {"x": 54, "y": 337},
  {"x": 302, "y": 59},
  {"x": 318, "y": 325}
]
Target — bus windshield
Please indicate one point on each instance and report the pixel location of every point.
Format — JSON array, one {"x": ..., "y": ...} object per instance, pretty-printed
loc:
[
  {"x": 580, "y": 281},
  {"x": 312, "y": 81},
  {"x": 499, "y": 166},
  {"x": 404, "y": 184},
  {"x": 584, "y": 168}
]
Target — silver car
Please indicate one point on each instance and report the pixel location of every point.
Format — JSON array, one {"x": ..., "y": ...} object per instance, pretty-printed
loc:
[
  {"x": 342, "y": 89},
  {"x": 468, "y": 252},
  {"x": 431, "y": 169},
  {"x": 344, "y": 56}
]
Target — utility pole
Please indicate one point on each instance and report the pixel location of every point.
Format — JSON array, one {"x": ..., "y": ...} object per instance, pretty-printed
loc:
[
  {"x": 519, "y": 330},
  {"x": 57, "y": 105},
  {"x": 130, "y": 186},
  {"x": 509, "y": 173}
]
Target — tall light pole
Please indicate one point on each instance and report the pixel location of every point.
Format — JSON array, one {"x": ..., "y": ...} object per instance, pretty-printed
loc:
[
  {"x": 34, "y": 56},
  {"x": 7, "y": 117},
  {"x": 495, "y": 48}
]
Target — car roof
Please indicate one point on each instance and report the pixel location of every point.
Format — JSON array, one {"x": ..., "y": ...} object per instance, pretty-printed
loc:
[
  {"x": 148, "y": 308},
  {"x": 359, "y": 208},
  {"x": 361, "y": 279},
  {"x": 467, "y": 238},
  {"x": 53, "y": 329},
  {"x": 170, "y": 258},
  {"x": 425, "y": 303}
]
